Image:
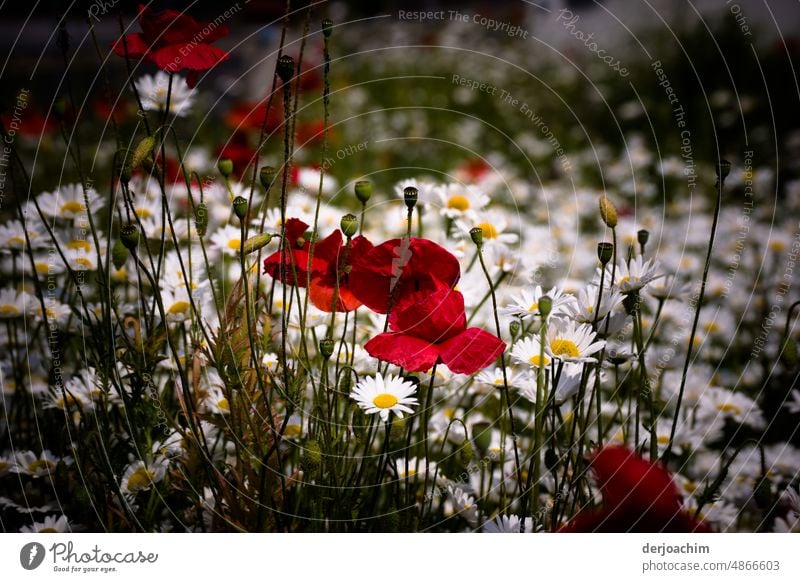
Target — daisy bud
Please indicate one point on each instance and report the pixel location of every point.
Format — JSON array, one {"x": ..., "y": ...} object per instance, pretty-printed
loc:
[
  {"x": 119, "y": 254},
  {"x": 143, "y": 151},
  {"x": 225, "y": 167},
  {"x": 410, "y": 196},
  {"x": 257, "y": 242},
  {"x": 545, "y": 305},
  {"x": 723, "y": 169},
  {"x": 789, "y": 352},
  {"x": 476, "y": 234},
  {"x": 605, "y": 251},
  {"x": 312, "y": 457},
  {"x": 349, "y": 225},
  {"x": 608, "y": 212},
  {"x": 482, "y": 436},
  {"x": 363, "y": 190},
  {"x": 285, "y": 68},
  {"x": 643, "y": 236},
  {"x": 240, "y": 207},
  {"x": 267, "y": 176},
  {"x": 513, "y": 327},
  {"x": 129, "y": 235},
  {"x": 327, "y": 27},
  {"x": 201, "y": 218},
  {"x": 326, "y": 346}
]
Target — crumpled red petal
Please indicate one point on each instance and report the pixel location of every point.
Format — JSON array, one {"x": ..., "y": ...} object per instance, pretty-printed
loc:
[
  {"x": 471, "y": 350},
  {"x": 435, "y": 316},
  {"x": 409, "y": 352}
]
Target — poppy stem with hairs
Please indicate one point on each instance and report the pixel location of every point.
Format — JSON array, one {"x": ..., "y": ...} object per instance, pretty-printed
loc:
[
  {"x": 426, "y": 416},
  {"x": 723, "y": 169}
]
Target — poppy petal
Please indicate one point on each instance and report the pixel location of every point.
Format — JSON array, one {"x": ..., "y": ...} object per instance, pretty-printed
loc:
[
  {"x": 435, "y": 317},
  {"x": 471, "y": 350},
  {"x": 412, "y": 353}
]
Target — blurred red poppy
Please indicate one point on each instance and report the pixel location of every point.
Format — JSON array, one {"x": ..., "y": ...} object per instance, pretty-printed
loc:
[{"x": 638, "y": 496}]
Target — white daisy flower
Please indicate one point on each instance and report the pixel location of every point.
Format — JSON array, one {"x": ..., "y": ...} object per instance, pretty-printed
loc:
[
  {"x": 12, "y": 236},
  {"x": 27, "y": 463},
  {"x": 153, "y": 90},
  {"x": 585, "y": 310},
  {"x": 139, "y": 476},
  {"x": 459, "y": 200},
  {"x": 494, "y": 226},
  {"x": 51, "y": 524},
  {"x": 227, "y": 240},
  {"x": 426, "y": 191},
  {"x": 527, "y": 351},
  {"x": 508, "y": 524},
  {"x": 571, "y": 342},
  {"x": 385, "y": 395},
  {"x": 14, "y": 304},
  {"x": 526, "y": 303},
  {"x": 636, "y": 275},
  {"x": 68, "y": 202}
]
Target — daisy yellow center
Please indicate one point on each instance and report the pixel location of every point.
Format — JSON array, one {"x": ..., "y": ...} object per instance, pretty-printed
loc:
[
  {"x": 663, "y": 439},
  {"x": 712, "y": 326},
  {"x": 79, "y": 245},
  {"x": 729, "y": 408},
  {"x": 48, "y": 530},
  {"x": 292, "y": 430},
  {"x": 178, "y": 307},
  {"x": 140, "y": 479},
  {"x": 489, "y": 230},
  {"x": 72, "y": 206},
  {"x": 537, "y": 361},
  {"x": 777, "y": 245},
  {"x": 533, "y": 307},
  {"x": 564, "y": 347},
  {"x": 41, "y": 465},
  {"x": 84, "y": 262},
  {"x": 234, "y": 244},
  {"x": 16, "y": 240},
  {"x": 42, "y": 268},
  {"x": 223, "y": 405},
  {"x": 3, "y": 465},
  {"x": 143, "y": 213},
  {"x": 458, "y": 202},
  {"x": 9, "y": 310},
  {"x": 385, "y": 400}
]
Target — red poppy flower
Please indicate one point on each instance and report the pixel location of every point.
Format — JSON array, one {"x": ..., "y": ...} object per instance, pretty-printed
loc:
[
  {"x": 327, "y": 263},
  {"x": 638, "y": 496},
  {"x": 174, "y": 41},
  {"x": 400, "y": 267},
  {"x": 430, "y": 327}
]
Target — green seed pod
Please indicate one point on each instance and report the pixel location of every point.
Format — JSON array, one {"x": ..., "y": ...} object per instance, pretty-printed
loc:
[
  {"x": 349, "y": 225},
  {"x": 256, "y": 242},
  {"x": 363, "y": 189},
  {"x": 312, "y": 457},
  {"x": 643, "y": 236},
  {"x": 608, "y": 212},
  {"x": 129, "y": 235},
  {"x": 513, "y": 327},
  {"x": 143, "y": 151},
  {"x": 545, "y": 305},
  {"x": 466, "y": 453},
  {"x": 605, "y": 251},
  {"x": 285, "y": 68},
  {"x": 225, "y": 167},
  {"x": 267, "y": 176},
  {"x": 119, "y": 254},
  {"x": 476, "y": 234},
  {"x": 410, "y": 197},
  {"x": 326, "y": 346},
  {"x": 240, "y": 207},
  {"x": 327, "y": 27},
  {"x": 201, "y": 218}
]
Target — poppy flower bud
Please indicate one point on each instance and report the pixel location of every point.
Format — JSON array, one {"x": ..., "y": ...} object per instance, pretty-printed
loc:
[
  {"x": 465, "y": 453},
  {"x": 119, "y": 254},
  {"x": 326, "y": 346},
  {"x": 267, "y": 176},
  {"x": 723, "y": 169},
  {"x": 608, "y": 212},
  {"x": 605, "y": 251},
  {"x": 410, "y": 197},
  {"x": 285, "y": 68},
  {"x": 129, "y": 235},
  {"x": 225, "y": 167},
  {"x": 545, "y": 305},
  {"x": 476, "y": 234},
  {"x": 513, "y": 327},
  {"x": 240, "y": 207},
  {"x": 327, "y": 27},
  {"x": 143, "y": 151},
  {"x": 643, "y": 236},
  {"x": 482, "y": 436},
  {"x": 349, "y": 225},
  {"x": 312, "y": 457},
  {"x": 257, "y": 242},
  {"x": 363, "y": 190},
  {"x": 201, "y": 218}
]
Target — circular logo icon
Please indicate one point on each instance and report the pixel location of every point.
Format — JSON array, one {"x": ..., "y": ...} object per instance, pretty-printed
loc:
[{"x": 31, "y": 555}]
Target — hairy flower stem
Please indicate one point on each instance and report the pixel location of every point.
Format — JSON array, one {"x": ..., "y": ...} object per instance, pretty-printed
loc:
[
  {"x": 717, "y": 205},
  {"x": 426, "y": 418},
  {"x": 505, "y": 395},
  {"x": 533, "y": 485}
]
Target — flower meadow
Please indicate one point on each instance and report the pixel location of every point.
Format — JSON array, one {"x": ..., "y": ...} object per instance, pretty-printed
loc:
[{"x": 379, "y": 291}]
